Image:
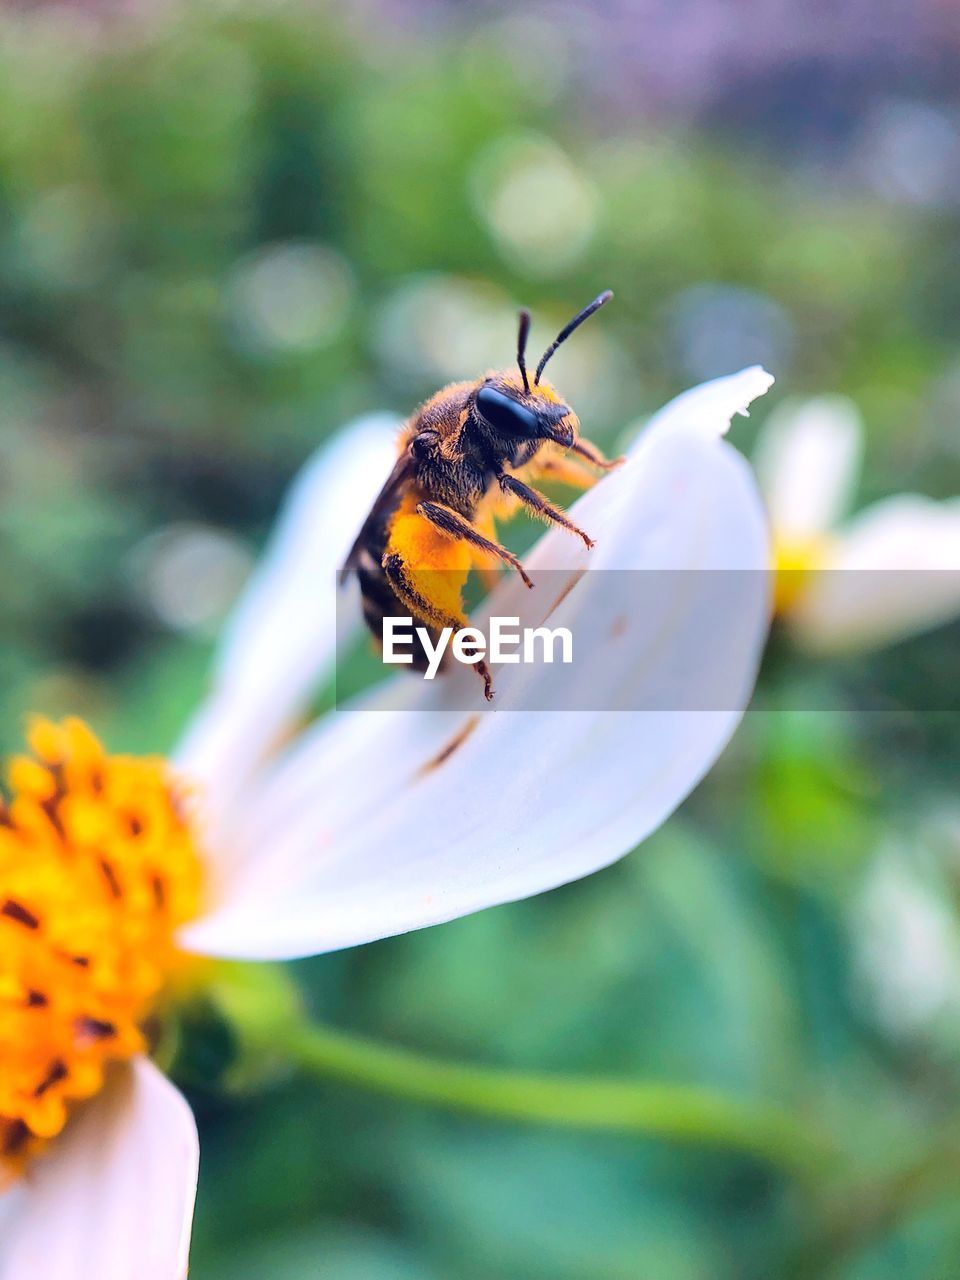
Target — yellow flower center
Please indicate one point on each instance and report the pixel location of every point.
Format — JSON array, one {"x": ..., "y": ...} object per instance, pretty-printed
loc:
[
  {"x": 98, "y": 869},
  {"x": 795, "y": 561}
]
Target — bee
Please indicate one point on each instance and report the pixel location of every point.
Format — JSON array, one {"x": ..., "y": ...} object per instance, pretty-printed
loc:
[{"x": 466, "y": 460}]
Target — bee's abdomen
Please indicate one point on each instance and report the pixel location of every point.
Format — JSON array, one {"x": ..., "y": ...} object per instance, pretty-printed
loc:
[{"x": 377, "y": 596}]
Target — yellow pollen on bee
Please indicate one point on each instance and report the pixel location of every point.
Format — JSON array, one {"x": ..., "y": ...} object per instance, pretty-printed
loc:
[
  {"x": 98, "y": 869},
  {"x": 795, "y": 560}
]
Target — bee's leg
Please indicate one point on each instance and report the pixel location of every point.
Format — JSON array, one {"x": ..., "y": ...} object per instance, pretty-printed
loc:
[
  {"x": 488, "y": 566},
  {"x": 455, "y": 525},
  {"x": 567, "y": 471},
  {"x": 428, "y": 611},
  {"x": 540, "y": 506},
  {"x": 593, "y": 455}
]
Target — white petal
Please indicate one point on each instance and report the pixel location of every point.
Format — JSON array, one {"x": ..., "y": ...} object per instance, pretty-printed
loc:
[
  {"x": 282, "y": 636},
  {"x": 113, "y": 1198},
  {"x": 355, "y": 836},
  {"x": 907, "y": 948},
  {"x": 708, "y": 410},
  {"x": 10, "y": 1203},
  {"x": 894, "y": 571},
  {"x": 808, "y": 462}
]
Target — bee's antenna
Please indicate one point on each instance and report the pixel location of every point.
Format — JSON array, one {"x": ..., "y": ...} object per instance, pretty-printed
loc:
[
  {"x": 522, "y": 336},
  {"x": 565, "y": 333}
]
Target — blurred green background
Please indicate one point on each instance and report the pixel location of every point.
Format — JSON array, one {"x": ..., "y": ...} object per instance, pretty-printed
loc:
[{"x": 226, "y": 229}]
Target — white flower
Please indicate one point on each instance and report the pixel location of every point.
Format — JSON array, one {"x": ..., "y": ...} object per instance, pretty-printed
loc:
[
  {"x": 887, "y": 573},
  {"x": 907, "y": 945},
  {"x": 377, "y": 820}
]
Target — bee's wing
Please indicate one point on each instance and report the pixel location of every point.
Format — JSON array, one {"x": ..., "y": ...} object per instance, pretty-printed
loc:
[{"x": 398, "y": 477}]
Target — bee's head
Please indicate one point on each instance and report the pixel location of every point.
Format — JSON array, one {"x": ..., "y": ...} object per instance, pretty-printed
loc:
[
  {"x": 512, "y": 411},
  {"x": 511, "y": 417}
]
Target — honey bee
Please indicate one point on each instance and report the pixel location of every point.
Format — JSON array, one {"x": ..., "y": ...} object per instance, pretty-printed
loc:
[{"x": 466, "y": 458}]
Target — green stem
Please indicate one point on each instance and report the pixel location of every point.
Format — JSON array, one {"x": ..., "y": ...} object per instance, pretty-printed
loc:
[{"x": 673, "y": 1112}]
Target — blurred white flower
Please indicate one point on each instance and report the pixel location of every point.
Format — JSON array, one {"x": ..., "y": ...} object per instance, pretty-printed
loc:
[
  {"x": 540, "y": 207},
  {"x": 907, "y": 946},
  {"x": 846, "y": 585},
  {"x": 289, "y": 298},
  {"x": 189, "y": 574},
  {"x": 365, "y": 825},
  {"x": 440, "y": 327},
  {"x": 909, "y": 151}
]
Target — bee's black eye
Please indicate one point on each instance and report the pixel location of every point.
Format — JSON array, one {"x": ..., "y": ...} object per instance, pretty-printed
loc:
[{"x": 504, "y": 414}]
